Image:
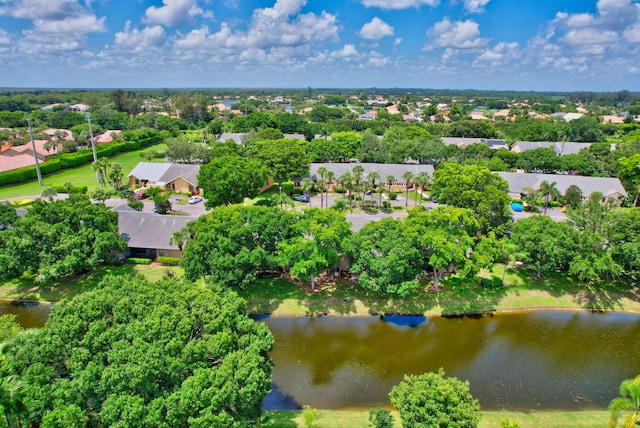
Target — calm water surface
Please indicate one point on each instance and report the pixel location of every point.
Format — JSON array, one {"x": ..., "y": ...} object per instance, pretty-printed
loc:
[
  {"x": 547, "y": 360},
  {"x": 521, "y": 361}
]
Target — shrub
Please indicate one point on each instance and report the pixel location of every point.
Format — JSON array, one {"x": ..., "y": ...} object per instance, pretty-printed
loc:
[
  {"x": 287, "y": 188},
  {"x": 554, "y": 204},
  {"x": 386, "y": 205},
  {"x": 393, "y": 195},
  {"x": 169, "y": 261},
  {"x": 136, "y": 205},
  {"x": 340, "y": 189},
  {"x": 380, "y": 418},
  {"x": 138, "y": 261},
  {"x": 516, "y": 201},
  {"x": 60, "y": 188},
  {"x": 310, "y": 416},
  {"x": 265, "y": 203},
  {"x": 509, "y": 423},
  {"x": 432, "y": 400}
]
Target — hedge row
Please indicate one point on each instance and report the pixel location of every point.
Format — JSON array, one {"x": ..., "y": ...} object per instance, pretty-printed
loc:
[
  {"x": 169, "y": 261},
  {"x": 138, "y": 261},
  {"x": 134, "y": 140}
]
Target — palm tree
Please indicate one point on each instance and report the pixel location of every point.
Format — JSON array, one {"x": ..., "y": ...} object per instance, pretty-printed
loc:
[
  {"x": 49, "y": 193},
  {"x": 390, "y": 179},
  {"x": 531, "y": 198},
  {"x": 330, "y": 181},
  {"x": 345, "y": 181},
  {"x": 372, "y": 177},
  {"x": 322, "y": 186},
  {"x": 422, "y": 180},
  {"x": 631, "y": 388},
  {"x": 322, "y": 172},
  {"x": 11, "y": 400},
  {"x": 408, "y": 176},
  {"x": 358, "y": 170},
  {"x": 180, "y": 238},
  {"x": 100, "y": 167},
  {"x": 306, "y": 185},
  {"x": 548, "y": 190}
]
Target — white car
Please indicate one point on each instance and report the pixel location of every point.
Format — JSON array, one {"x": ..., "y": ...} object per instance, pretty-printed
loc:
[{"x": 195, "y": 199}]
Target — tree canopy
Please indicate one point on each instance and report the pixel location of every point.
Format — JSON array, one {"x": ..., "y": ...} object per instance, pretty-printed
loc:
[
  {"x": 132, "y": 353},
  {"x": 431, "y": 400},
  {"x": 59, "y": 238},
  {"x": 229, "y": 179}
]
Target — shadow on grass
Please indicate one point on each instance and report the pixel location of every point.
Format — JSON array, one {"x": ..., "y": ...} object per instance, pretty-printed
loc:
[
  {"x": 279, "y": 419},
  {"x": 462, "y": 296}
]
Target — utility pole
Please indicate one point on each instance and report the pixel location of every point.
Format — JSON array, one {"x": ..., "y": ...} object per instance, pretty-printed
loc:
[
  {"x": 93, "y": 147},
  {"x": 35, "y": 154}
]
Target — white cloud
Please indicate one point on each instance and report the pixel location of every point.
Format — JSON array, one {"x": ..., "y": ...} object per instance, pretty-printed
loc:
[
  {"x": 456, "y": 34},
  {"x": 148, "y": 40},
  {"x": 399, "y": 4},
  {"x": 42, "y": 9},
  {"x": 500, "y": 55},
  {"x": 73, "y": 25},
  {"x": 348, "y": 51},
  {"x": 375, "y": 30},
  {"x": 475, "y": 6},
  {"x": 174, "y": 13}
]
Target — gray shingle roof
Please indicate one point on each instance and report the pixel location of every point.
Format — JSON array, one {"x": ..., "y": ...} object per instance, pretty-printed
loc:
[
  {"x": 609, "y": 187},
  {"x": 149, "y": 171},
  {"x": 560, "y": 147},
  {"x": 146, "y": 230},
  {"x": 165, "y": 172}
]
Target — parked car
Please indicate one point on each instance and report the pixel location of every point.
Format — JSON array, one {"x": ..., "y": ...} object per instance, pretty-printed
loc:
[
  {"x": 195, "y": 199},
  {"x": 301, "y": 198},
  {"x": 141, "y": 195}
]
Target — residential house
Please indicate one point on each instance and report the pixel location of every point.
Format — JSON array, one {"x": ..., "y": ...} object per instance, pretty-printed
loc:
[
  {"x": 520, "y": 183},
  {"x": 148, "y": 234},
  {"x": 169, "y": 176},
  {"x": 107, "y": 136},
  {"x": 464, "y": 142}
]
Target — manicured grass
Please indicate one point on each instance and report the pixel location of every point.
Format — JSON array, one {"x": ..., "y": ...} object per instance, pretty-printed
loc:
[
  {"x": 81, "y": 176},
  {"x": 521, "y": 291},
  {"x": 27, "y": 288},
  {"x": 360, "y": 418}
]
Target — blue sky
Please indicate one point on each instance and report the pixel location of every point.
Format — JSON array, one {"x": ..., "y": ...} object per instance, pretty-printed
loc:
[{"x": 559, "y": 45}]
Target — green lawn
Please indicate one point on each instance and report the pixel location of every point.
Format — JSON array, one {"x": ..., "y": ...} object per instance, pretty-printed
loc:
[
  {"x": 81, "y": 176},
  {"x": 27, "y": 288},
  {"x": 521, "y": 291},
  {"x": 357, "y": 419}
]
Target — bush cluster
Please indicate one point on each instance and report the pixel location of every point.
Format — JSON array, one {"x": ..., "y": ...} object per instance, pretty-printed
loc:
[
  {"x": 138, "y": 261},
  {"x": 169, "y": 261}
]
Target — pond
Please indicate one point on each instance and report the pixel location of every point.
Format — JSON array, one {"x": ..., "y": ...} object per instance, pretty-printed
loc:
[
  {"x": 28, "y": 314},
  {"x": 544, "y": 360}
]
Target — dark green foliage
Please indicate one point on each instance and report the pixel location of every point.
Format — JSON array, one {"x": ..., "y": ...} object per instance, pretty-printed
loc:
[
  {"x": 132, "y": 353},
  {"x": 476, "y": 188},
  {"x": 229, "y": 179},
  {"x": 169, "y": 261},
  {"x": 232, "y": 244},
  {"x": 8, "y": 216},
  {"x": 431, "y": 400},
  {"x": 136, "y": 205},
  {"x": 380, "y": 418},
  {"x": 162, "y": 203},
  {"x": 59, "y": 238},
  {"x": 138, "y": 261}
]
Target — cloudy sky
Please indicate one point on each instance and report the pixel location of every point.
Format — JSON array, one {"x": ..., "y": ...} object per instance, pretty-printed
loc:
[{"x": 558, "y": 45}]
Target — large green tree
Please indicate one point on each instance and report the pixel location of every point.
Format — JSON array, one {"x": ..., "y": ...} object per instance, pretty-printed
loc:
[
  {"x": 431, "y": 400},
  {"x": 133, "y": 353},
  {"x": 384, "y": 259},
  {"x": 229, "y": 179},
  {"x": 285, "y": 159},
  {"x": 476, "y": 188},
  {"x": 59, "y": 238},
  {"x": 232, "y": 244},
  {"x": 544, "y": 243}
]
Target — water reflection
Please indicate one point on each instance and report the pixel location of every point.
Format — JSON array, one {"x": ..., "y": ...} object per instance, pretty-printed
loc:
[{"x": 524, "y": 361}]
